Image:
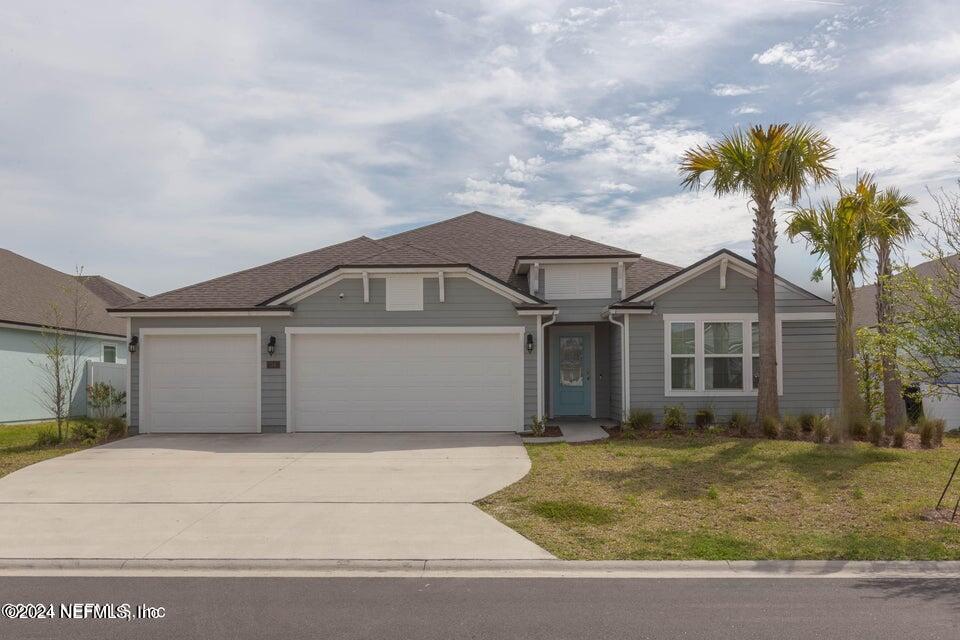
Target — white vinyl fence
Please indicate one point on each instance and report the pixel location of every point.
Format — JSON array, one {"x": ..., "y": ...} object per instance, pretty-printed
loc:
[{"x": 112, "y": 374}]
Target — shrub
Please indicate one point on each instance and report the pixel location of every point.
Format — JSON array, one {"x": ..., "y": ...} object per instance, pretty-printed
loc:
[
  {"x": 931, "y": 431},
  {"x": 538, "y": 426},
  {"x": 807, "y": 421},
  {"x": 640, "y": 419},
  {"x": 740, "y": 422},
  {"x": 704, "y": 417},
  {"x": 876, "y": 433},
  {"x": 48, "y": 437},
  {"x": 899, "y": 437},
  {"x": 790, "y": 429},
  {"x": 674, "y": 417},
  {"x": 859, "y": 428},
  {"x": 770, "y": 427},
  {"x": 116, "y": 427},
  {"x": 87, "y": 432},
  {"x": 821, "y": 429},
  {"x": 105, "y": 401}
]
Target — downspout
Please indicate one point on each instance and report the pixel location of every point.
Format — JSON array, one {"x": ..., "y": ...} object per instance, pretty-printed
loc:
[
  {"x": 541, "y": 325},
  {"x": 624, "y": 364}
]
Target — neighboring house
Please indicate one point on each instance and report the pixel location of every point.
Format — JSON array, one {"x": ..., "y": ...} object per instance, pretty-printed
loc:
[
  {"x": 935, "y": 405},
  {"x": 29, "y": 293},
  {"x": 473, "y": 323}
]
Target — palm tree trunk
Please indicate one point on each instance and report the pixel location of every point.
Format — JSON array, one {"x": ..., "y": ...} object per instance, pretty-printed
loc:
[
  {"x": 894, "y": 409},
  {"x": 851, "y": 404},
  {"x": 764, "y": 253}
]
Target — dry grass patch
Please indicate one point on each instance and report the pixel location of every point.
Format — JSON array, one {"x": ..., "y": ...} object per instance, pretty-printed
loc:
[{"x": 713, "y": 497}]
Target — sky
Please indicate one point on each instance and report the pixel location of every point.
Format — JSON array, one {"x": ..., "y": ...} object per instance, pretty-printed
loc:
[{"x": 161, "y": 144}]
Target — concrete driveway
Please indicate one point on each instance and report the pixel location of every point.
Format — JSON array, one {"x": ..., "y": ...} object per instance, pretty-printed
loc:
[{"x": 268, "y": 496}]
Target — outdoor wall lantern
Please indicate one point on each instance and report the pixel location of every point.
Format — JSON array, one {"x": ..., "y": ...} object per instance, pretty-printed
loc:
[
  {"x": 529, "y": 343},
  {"x": 132, "y": 346},
  {"x": 271, "y": 345}
]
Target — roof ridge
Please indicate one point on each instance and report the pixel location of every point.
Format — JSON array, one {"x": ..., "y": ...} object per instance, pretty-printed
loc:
[{"x": 475, "y": 213}]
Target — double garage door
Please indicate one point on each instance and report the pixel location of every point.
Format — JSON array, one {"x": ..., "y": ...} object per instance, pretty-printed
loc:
[{"x": 339, "y": 380}]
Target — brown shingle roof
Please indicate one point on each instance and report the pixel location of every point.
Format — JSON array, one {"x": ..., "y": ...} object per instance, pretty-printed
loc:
[
  {"x": 29, "y": 291},
  {"x": 487, "y": 243}
]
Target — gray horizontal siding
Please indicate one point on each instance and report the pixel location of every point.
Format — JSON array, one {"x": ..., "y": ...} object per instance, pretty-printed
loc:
[
  {"x": 809, "y": 365},
  {"x": 467, "y": 304}
]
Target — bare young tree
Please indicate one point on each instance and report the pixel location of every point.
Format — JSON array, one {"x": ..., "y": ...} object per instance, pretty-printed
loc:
[
  {"x": 924, "y": 332},
  {"x": 61, "y": 358}
]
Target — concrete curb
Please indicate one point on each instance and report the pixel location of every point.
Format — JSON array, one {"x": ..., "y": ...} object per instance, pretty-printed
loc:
[{"x": 479, "y": 568}]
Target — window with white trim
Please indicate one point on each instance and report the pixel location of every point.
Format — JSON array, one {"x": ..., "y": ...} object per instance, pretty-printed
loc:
[
  {"x": 709, "y": 355},
  {"x": 109, "y": 353}
]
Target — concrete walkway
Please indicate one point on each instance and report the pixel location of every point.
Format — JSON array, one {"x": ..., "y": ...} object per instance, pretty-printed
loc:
[
  {"x": 268, "y": 496},
  {"x": 574, "y": 432}
]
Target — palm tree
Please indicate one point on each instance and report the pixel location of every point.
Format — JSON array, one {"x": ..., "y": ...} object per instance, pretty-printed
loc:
[
  {"x": 765, "y": 164},
  {"x": 890, "y": 226},
  {"x": 840, "y": 232}
]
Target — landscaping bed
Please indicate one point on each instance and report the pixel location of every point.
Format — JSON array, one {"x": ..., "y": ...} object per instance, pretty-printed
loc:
[
  {"x": 697, "y": 495},
  {"x": 25, "y": 444}
]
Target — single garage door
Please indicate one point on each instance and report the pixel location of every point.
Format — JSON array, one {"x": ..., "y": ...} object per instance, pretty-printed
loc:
[
  {"x": 398, "y": 380},
  {"x": 200, "y": 383}
]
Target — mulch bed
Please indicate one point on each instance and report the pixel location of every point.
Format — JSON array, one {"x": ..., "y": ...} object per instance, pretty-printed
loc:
[
  {"x": 911, "y": 440},
  {"x": 551, "y": 431}
]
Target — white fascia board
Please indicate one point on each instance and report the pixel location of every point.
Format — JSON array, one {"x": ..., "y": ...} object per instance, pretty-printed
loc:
[
  {"x": 351, "y": 272},
  {"x": 82, "y": 334},
  {"x": 536, "y": 312},
  {"x": 405, "y": 330},
  {"x": 631, "y": 312},
  {"x": 198, "y": 314},
  {"x": 611, "y": 261}
]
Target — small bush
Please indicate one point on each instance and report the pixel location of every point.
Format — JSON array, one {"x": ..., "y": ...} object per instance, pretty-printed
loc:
[
  {"x": 876, "y": 433},
  {"x": 640, "y": 419},
  {"x": 821, "y": 429},
  {"x": 899, "y": 437},
  {"x": 538, "y": 426},
  {"x": 116, "y": 427},
  {"x": 807, "y": 421},
  {"x": 87, "y": 432},
  {"x": 674, "y": 417},
  {"x": 48, "y": 437},
  {"x": 740, "y": 422},
  {"x": 704, "y": 417},
  {"x": 931, "y": 431},
  {"x": 790, "y": 429},
  {"x": 859, "y": 428},
  {"x": 770, "y": 427}
]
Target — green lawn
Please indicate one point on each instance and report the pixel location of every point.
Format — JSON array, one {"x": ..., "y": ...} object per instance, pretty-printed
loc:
[
  {"x": 18, "y": 446},
  {"x": 719, "y": 498}
]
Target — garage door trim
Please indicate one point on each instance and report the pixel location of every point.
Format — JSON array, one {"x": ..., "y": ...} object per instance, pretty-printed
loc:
[
  {"x": 519, "y": 331},
  {"x": 182, "y": 331}
]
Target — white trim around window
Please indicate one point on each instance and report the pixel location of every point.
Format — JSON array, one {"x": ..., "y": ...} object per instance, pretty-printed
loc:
[
  {"x": 699, "y": 356},
  {"x": 103, "y": 351}
]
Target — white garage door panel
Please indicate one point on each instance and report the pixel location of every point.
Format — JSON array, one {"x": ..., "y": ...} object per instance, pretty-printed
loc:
[
  {"x": 201, "y": 383},
  {"x": 358, "y": 382}
]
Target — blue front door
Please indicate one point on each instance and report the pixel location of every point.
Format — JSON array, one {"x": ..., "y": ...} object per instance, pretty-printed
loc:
[{"x": 571, "y": 372}]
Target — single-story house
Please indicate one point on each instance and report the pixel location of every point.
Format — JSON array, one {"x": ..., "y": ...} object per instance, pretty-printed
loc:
[
  {"x": 473, "y": 323},
  {"x": 936, "y": 401},
  {"x": 29, "y": 295}
]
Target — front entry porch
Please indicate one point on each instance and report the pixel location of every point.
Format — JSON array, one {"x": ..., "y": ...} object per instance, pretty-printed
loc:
[{"x": 577, "y": 371}]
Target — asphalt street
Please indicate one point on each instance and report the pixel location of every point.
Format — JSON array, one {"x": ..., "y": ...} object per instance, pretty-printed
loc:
[{"x": 445, "y": 608}]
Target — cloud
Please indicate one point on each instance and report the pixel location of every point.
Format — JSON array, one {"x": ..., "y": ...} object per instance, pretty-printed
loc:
[
  {"x": 746, "y": 109},
  {"x": 808, "y": 59},
  {"x": 733, "y": 90},
  {"x": 523, "y": 171}
]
